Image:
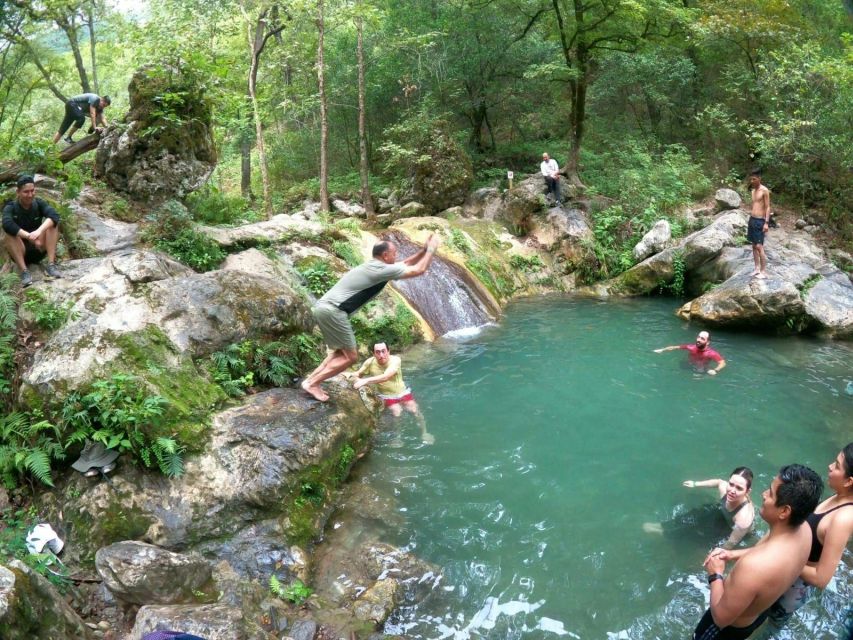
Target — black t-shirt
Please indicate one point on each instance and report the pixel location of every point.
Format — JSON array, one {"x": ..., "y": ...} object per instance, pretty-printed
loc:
[{"x": 15, "y": 217}]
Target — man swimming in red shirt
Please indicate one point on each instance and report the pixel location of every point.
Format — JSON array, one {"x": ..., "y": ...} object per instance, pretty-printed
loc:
[{"x": 700, "y": 353}]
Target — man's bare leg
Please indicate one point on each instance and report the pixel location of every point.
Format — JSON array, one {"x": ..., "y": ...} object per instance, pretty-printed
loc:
[
  {"x": 320, "y": 367},
  {"x": 48, "y": 242},
  {"x": 396, "y": 410},
  {"x": 756, "y": 259},
  {"x": 16, "y": 250},
  {"x": 412, "y": 407},
  {"x": 341, "y": 360},
  {"x": 762, "y": 257}
]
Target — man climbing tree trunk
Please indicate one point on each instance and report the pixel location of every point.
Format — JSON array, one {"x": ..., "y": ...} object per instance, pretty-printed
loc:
[
  {"x": 366, "y": 198},
  {"x": 324, "y": 115}
]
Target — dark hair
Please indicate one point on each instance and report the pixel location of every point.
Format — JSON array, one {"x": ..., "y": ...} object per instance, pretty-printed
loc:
[
  {"x": 801, "y": 489},
  {"x": 755, "y": 172},
  {"x": 381, "y": 247},
  {"x": 746, "y": 472},
  {"x": 848, "y": 460},
  {"x": 25, "y": 179},
  {"x": 107, "y": 99}
]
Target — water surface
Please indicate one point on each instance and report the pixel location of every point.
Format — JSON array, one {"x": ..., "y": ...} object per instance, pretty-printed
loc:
[{"x": 559, "y": 433}]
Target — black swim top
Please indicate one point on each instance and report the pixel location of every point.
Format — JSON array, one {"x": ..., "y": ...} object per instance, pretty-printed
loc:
[
  {"x": 814, "y": 520},
  {"x": 730, "y": 515}
]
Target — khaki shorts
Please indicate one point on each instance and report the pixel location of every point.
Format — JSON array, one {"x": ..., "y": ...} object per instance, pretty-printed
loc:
[{"x": 335, "y": 326}]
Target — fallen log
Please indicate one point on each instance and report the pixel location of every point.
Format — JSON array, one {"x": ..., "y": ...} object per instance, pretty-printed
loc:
[{"x": 70, "y": 152}]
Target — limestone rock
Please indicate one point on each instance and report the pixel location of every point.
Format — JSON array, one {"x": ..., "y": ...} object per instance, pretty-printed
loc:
[
  {"x": 32, "y": 609},
  {"x": 727, "y": 199},
  {"x": 350, "y": 209},
  {"x": 105, "y": 234},
  {"x": 162, "y": 149},
  {"x": 250, "y": 473},
  {"x": 483, "y": 203},
  {"x": 212, "y": 621},
  {"x": 654, "y": 241},
  {"x": 800, "y": 224},
  {"x": 378, "y": 602},
  {"x": 253, "y": 261},
  {"x": 140, "y": 573},
  {"x": 565, "y": 233},
  {"x": 412, "y": 210},
  {"x": 521, "y": 203},
  {"x": 277, "y": 229},
  {"x": 452, "y": 212},
  {"x": 303, "y": 630},
  {"x": 830, "y": 304}
]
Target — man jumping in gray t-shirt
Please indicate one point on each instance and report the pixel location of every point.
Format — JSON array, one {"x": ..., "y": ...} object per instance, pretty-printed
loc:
[{"x": 352, "y": 291}]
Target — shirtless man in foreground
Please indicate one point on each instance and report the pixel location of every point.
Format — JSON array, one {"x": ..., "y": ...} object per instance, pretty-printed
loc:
[
  {"x": 759, "y": 223},
  {"x": 739, "y": 602}
]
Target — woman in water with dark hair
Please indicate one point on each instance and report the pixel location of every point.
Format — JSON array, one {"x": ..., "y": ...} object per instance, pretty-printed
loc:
[
  {"x": 735, "y": 504},
  {"x": 832, "y": 527}
]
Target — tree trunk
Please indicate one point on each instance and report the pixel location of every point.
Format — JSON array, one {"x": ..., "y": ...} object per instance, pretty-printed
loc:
[
  {"x": 324, "y": 117},
  {"x": 70, "y": 30},
  {"x": 366, "y": 198},
  {"x": 90, "y": 22},
  {"x": 245, "y": 164},
  {"x": 66, "y": 155},
  {"x": 44, "y": 72},
  {"x": 256, "y": 45}
]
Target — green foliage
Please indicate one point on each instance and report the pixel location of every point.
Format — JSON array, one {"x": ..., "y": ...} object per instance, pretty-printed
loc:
[
  {"x": 459, "y": 242},
  {"x": 345, "y": 460},
  {"x": 528, "y": 264},
  {"x": 809, "y": 284},
  {"x": 36, "y": 154},
  {"x": 423, "y": 156},
  {"x": 346, "y": 252},
  {"x": 213, "y": 206},
  {"x": 492, "y": 275},
  {"x": 70, "y": 234},
  {"x": 239, "y": 366},
  {"x": 121, "y": 415},
  {"x": 318, "y": 276},
  {"x": 296, "y": 592},
  {"x": 395, "y": 329},
  {"x": 679, "y": 269},
  {"x": 72, "y": 182},
  {"x": 47, "y": 314},
  {"x": 28, "y": 445},
  {"x": 8, "y": 333},
  {"x": 15, "y": 525},
  {"x": 171, "y": 229}
]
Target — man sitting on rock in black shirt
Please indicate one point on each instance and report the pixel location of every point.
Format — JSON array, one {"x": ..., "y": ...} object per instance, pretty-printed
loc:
[{"x": 31, "y": 229}]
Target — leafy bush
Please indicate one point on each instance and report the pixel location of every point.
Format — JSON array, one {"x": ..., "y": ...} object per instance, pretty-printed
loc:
[
  {"x": 8, "y": 332},
  {"x": 318, "y": 276},
  {"x": 492, "y": 275},
  {"x": 28, "y": 445},
  {"x": 526, "y": 263},
  {"x": 346, "y": 252},
  {"x": 459, "y": 242},
  {"x": 47, "y": 314},
  {"x": 396, "y": 330},
  {"x": 38, "y": 154},
  {"x": 239, "y": 366},
  {"x": 212, "y": 206},
  {"x": 170, "y": 228},
  {"x": 121, "y": 415}
]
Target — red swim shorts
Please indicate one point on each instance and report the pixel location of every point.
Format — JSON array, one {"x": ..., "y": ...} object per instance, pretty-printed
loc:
[{"x": 392, "y": 401}]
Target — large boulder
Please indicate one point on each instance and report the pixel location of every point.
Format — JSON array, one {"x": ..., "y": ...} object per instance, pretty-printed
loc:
[
  {"x": 250, "y": 482},
  {"x": 212, "y": 622},
  {"x": 483, "y": 203},
  {"x": 279, "y": 228},
  {"x": 727, "y": 199},
  {"x": 654, "y": 241},
  {"x": 136, "y": 308},
  {"x": 139, "y": 573},
  {"x": 521, "y": 203},
  {"x": 32, "y": 609},
  {"x": 164, "y": 148}
]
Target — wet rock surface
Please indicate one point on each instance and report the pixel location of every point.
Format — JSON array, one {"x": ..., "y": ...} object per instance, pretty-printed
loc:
[{"x": 140, "y": 573}]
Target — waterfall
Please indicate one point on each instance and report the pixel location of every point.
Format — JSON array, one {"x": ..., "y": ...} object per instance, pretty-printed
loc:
[{"x": 443, "y": 296}]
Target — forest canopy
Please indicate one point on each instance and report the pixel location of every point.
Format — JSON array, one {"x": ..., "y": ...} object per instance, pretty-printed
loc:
[{"x": 676, "y": 95}]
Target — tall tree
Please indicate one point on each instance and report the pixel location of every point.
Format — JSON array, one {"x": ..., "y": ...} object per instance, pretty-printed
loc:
[
  {"x": 366, "y": 198},
  {"x": 324, "y": 109},
  {"x": 259, "y": 30}
]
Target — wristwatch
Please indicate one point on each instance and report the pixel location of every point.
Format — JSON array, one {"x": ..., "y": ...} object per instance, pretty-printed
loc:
[{"x": 714, "y": 576}]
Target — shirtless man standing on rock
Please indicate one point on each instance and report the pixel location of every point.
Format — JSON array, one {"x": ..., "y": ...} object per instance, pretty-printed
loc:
[
  {"x": 739, "y": 602},
  {"x": 759, "y": 223}
]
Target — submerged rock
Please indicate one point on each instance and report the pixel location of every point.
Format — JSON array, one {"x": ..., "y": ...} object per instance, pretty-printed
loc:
[{"x": 140, "y": 573}]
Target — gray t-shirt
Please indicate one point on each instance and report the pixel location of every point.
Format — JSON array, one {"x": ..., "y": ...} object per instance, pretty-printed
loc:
[
  {"x": 362, "y": 283},
  {"x": 86, "y": 100}
]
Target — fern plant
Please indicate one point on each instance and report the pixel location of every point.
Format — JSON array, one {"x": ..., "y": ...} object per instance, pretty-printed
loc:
[
  {"x": 29, "y": 445},
  {"x": 119, "y": 414},
  {"x": 8, "y": 335},
  {"x": 296, "y": 592}
]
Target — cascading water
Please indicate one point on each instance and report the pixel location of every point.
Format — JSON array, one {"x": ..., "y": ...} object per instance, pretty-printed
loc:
[{"x": 443, "y": 295}]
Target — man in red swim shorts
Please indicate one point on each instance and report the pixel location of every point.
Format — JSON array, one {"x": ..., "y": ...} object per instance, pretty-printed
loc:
[
  {"x": 701, "y": 354},
  {"x": 386, "y": 372}
]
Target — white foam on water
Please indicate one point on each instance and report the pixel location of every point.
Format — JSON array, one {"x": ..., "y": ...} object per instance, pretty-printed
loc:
[
  {"x": 467, "y": 332},
  {"x": 486, "y": 619}
]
